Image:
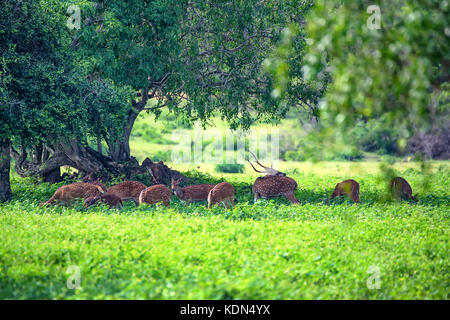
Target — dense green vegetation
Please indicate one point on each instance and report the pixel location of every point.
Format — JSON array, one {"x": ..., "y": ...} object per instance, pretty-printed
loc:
[
  {"x": 268, "y": 250},
  {"x": 135, "y": 79}
]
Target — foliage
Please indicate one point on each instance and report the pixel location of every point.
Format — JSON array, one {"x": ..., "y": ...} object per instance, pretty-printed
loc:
[
  {"x": 387, "y": 72},
  {"x": 229, "y": 168},
  {"x": 267, "y": 250},
  {"x": 48, "y": 97},
  {"x": 206, "y": 54},
  {"x": 397, "y": 74},
  {"x": 374, "y": 136}
]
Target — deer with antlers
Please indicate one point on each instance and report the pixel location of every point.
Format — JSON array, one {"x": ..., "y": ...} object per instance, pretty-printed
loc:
[
  {"x": 268, "y": 171},
  {"x": 273, "y": 184}
]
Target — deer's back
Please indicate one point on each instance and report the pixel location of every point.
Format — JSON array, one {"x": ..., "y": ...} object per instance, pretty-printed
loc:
[
  {"x": 155, "y": 193},
  {"x": 271, "y": 186},
  {"x": 400, "y": 185},
  {"x": 195, "y": 192},
  {"x": 79, "y": 190},
  {"x": 127, "y": 189},
  {"x": 221, "y": 191}
]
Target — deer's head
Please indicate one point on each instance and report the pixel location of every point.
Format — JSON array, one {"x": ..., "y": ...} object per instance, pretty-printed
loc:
[
  {"x": 175, "y": 184},
  {"x": 90, "y": 201},
  {"x": 268, "y": 171}
]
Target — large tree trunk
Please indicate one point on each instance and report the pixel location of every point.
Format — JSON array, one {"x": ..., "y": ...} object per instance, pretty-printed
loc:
[
  {"x": 91, "y": 165},
  {"x": 120, "y": 148},
  {"x": 5, "y": 187}
]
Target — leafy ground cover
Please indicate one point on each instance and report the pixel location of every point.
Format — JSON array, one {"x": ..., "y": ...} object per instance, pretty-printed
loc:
[{"x": 380, "y": 249}]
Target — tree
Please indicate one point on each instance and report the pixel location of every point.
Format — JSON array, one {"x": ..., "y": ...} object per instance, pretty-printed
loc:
[
  {"x": 198, "y": 58},
  {"x": 48, "y": 108},
  {"x": 393, "y": 71}
]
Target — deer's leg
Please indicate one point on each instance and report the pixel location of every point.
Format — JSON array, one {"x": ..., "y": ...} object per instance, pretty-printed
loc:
[
  {"x": 356, "y": 195},
  {"x": 257, "y": 196},
  {"x": 290, "y": 196},
  {"x": 166, "y": 202}
]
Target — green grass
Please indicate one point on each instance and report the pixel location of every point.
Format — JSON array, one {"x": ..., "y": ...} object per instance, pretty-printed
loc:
[{"x": 268, "y": 250}]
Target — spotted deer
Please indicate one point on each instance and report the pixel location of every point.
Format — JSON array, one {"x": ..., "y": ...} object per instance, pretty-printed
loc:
[
  {"x": 98, "y": 183},
  {"x": 192, "y": 193},
  {"x": 78, "y": 190},
  {"x": 111, "y": 200},
  {"x": 273, "y": 184},
  {"x": 127, "y": 190},
  {"x": 155, "y": 194},
  {"x": 221, "y": 193},
  {"x": 401, "y": 189},
  {"x": 348, "y": 187}
]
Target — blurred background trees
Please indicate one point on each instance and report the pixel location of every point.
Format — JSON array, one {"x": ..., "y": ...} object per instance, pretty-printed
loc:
[{"x": 388, "y": 88}]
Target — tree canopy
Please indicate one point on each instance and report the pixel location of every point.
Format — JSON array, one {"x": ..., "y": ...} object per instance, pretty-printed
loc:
[
  {"x": 206, "y": 54},
  {"x": 391, "y": 71}
]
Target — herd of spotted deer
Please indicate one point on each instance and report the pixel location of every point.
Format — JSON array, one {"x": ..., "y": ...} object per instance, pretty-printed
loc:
[{"x": 273, "y": 184}]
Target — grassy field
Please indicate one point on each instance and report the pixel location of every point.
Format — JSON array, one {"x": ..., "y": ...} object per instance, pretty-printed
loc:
[{"x": 270, "y": 250}]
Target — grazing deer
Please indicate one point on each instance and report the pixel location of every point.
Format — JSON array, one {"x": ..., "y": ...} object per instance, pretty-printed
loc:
[
  {"x": 401, "y": 189},
  {"x": 155, "y": 194},
  {"x": 221, "y": 193},
  {"x": 193, "y": 193},
  {"x": 127, "y": 190},
  {"x": 78, "y": 190},
  {"x": 268, "y": 171},
  {"x": 274, "y": 186},
  {"x": 347, "y": 187},
  {"x": 112, "y": 200}
]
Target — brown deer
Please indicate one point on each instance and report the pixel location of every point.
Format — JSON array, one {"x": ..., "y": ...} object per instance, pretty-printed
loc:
[
  {"x": 192, "y": 193},
  {"x": 221, "y": 193},
  {"x": 401, "y": 189},
  {"x": 268, "y": 171},
  {"x": 348, "y": 187},
  {"x": 127, "y": 190},
  {"x": 274, "y": 186},
  {"x": 155, "y": 194},
  {"x": 112, "y": 200},
  {"x": 98, "y": 183},
  {"x": 78, "y": 190}
]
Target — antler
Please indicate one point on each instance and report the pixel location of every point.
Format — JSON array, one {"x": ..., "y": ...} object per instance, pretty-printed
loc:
[{"x": 270, "y": 171}]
